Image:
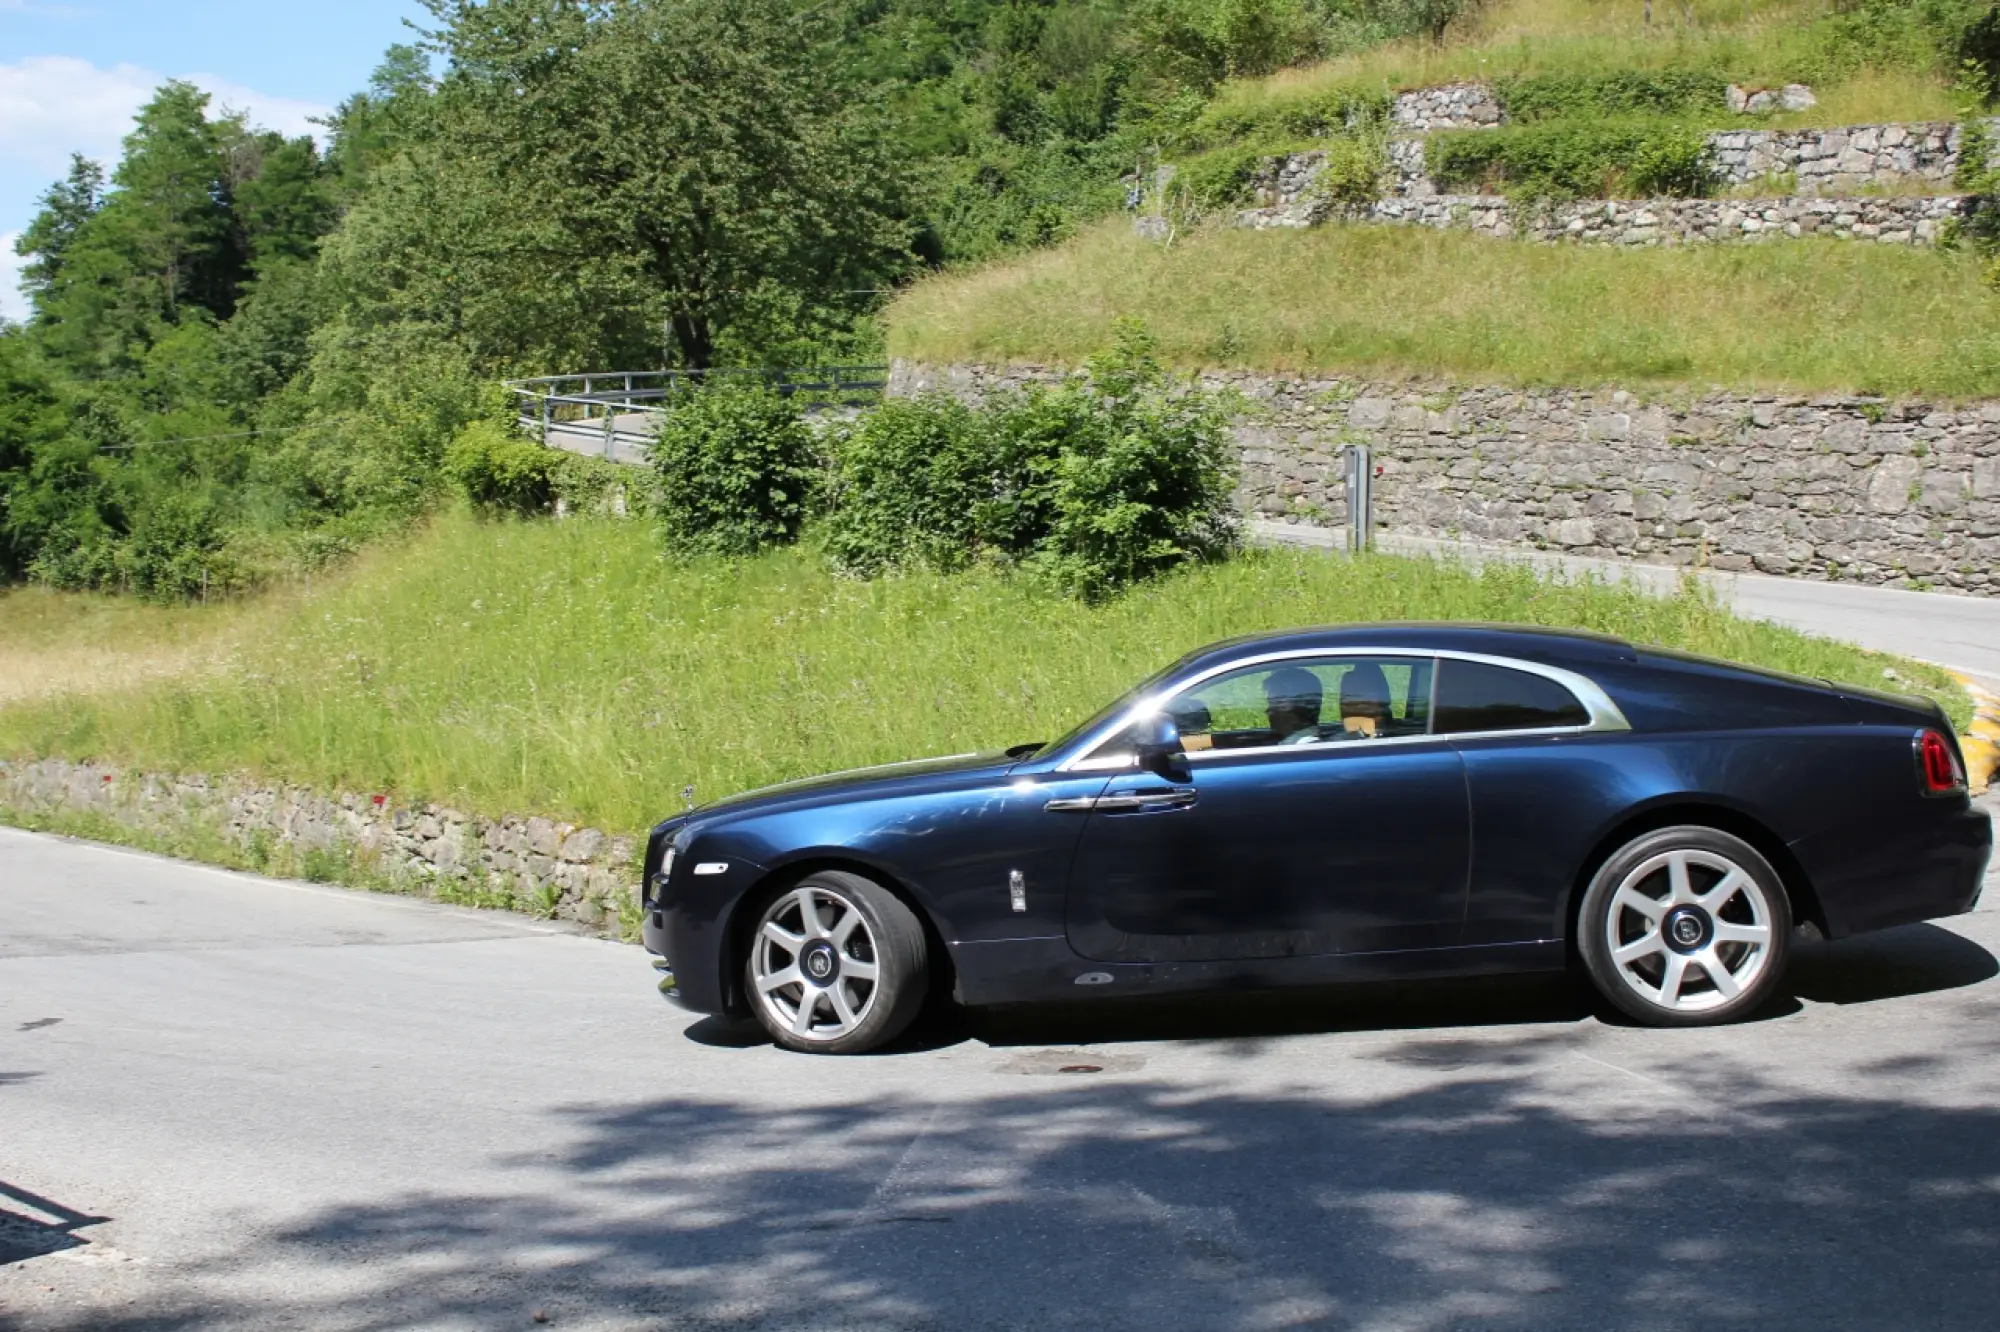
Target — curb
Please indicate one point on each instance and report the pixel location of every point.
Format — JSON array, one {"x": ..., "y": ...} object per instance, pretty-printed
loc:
[{"x": 1981, "y": 742}]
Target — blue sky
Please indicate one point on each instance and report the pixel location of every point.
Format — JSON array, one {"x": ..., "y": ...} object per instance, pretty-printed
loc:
[{"x": 73, "y": 71}]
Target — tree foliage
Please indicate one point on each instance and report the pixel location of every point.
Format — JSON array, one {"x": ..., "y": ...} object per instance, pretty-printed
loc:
[
  {"x": 1111, "y": 477},
  {"x": 738, "y": 471}
]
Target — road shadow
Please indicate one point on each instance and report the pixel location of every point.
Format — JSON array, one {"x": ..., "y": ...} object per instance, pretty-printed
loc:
[
  {"x": 43, "y": 1227},
  {"x": 1914, "y": 959},
  {"x": 1452, "y": 1185}
]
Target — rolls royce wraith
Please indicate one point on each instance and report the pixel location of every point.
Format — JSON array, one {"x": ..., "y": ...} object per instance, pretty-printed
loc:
[{"x": 1322, "y": 805}]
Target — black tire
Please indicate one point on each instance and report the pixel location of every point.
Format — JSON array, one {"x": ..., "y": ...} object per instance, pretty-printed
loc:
[
  {"x": 1745, "y": 933},
  {"x": 890, "y": 942}
]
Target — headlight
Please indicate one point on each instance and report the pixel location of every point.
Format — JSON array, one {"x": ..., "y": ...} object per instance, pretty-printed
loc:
[{"x": 666, "y": 870}]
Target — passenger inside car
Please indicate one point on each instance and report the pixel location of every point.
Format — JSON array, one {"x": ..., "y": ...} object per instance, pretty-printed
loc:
[{"x": 1292, "y": 697}]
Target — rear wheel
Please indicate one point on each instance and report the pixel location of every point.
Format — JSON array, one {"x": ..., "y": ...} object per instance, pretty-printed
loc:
[
  {"x": 837, "y": 965},
  {"x": 1685, "y": 927}
]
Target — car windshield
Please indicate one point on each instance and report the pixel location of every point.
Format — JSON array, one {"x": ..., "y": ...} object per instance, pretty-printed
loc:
[{"x": 1118, "y": 706}]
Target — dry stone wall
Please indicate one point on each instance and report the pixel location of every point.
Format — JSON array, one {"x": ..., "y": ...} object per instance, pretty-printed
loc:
[
  {"x": 1446, "y": 106},
  {"x": 1909, "y": 220},
  {"x": 1839, "y": 161},
  {"x": 1851, "y": 159},
  {"x": 553, "y": 868},
  {"x": 1819, "y": 487},
  {"x": 1864, "y": 182}
]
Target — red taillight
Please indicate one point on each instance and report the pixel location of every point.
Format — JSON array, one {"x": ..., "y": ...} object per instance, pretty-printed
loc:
[{"x": 1939, "y": 763}]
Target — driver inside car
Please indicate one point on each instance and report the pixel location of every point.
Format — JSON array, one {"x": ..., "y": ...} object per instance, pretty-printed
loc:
[{"x": 1292, "y": 698}]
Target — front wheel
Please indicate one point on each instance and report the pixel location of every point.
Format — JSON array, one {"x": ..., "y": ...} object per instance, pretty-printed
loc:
[
  {"x": 1685, "y": 927},
  {"x": 838, "y": 965}
]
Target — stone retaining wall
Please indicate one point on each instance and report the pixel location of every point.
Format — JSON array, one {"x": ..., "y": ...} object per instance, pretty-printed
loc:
[
  {"x": 1812, "y": 163},
  {"x": 1912, "y": 220},
  {"x": 1447, "y": 106},
  {"x": 550, "y": 868},
  {"x": 1839, "y": 161},
  {"x": 1821, "y": 487}
]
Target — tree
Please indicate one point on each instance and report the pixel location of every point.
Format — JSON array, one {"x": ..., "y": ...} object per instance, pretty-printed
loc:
[
  {"x": 370, "y": 127},
  {"x": 281, "y": 205},
  {"x": 705, "y": 144},
  {"x": 31, "y": 420},
  {"x": 170, "y": 215},
  {"x": 66, "y": 207},
  {"x": 161, "y": 243}
]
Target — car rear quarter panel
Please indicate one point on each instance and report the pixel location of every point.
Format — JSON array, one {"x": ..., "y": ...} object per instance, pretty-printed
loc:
[{"x": 1543, "y": 809}]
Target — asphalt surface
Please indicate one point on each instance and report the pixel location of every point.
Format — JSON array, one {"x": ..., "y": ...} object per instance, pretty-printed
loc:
[
  {"x": 229, "y": 1102},
  {"x": 1960, "y": 632}
]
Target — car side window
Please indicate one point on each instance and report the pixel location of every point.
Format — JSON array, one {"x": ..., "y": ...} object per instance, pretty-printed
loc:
[
  {"x": 1474, "y": 696},
  {"x": 1306, "y": 701}
]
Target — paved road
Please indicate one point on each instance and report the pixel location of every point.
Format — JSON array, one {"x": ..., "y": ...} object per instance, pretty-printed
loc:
[
  {"x": 1960, "y": 632},
  {"x": 228, "y": 1102}
]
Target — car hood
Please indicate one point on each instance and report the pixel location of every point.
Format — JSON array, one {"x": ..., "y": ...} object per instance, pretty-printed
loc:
[{"x": 855, "y": 781}]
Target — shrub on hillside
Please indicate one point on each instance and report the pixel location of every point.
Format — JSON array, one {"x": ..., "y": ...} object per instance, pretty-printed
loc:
[
  {"x": 1324, "y": 115},
  {"x": 1620, "y": 92},
  {"x": 1574, "y": 160},
  {"x": 738, "y": 470},
  {"x": 916, "y": 482},
  {"x": 500, "y": 471},
  {"x": 1107, "y": 479},
  {"x": 1142, "y": 478},
  {"x": 1227, "y": 177}
]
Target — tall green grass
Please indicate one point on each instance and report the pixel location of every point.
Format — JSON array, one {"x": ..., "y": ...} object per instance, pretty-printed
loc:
[
  {"x": 1808, "y": 315},
  {"x": 1889, "y": 69},
  {"x": 567, "y": 668}
]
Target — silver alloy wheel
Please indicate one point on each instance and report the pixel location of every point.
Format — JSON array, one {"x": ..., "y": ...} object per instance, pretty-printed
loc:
[
  {"x": 814, "y": 963},
  {"x": 1689, "y": 930}
]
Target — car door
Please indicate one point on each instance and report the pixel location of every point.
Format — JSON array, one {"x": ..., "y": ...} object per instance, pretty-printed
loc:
[{"x": 1276, "y": 839}]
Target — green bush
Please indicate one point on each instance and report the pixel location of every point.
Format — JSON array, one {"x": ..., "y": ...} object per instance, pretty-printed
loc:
[
  {"x": 1142, "y": 478},
  {"x": 738, "y": 470},
  {"x": 1227, "y": 177},
  {"x": 1566, "y": 160},
  {"x": 916, "y": 482},
  {"x": 1341, "y": 111},
  {"x": 1625, "y": 92},
  {"x": 1114, "y": 476},
  {"x": 500, "y": 471},
  {"x": 597, "y": 485}
]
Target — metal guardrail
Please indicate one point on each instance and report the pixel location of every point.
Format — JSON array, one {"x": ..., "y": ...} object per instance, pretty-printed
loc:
[{"x": 614, "y": 412}]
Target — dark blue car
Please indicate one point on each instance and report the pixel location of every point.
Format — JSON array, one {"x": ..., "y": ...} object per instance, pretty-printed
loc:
[{"x": 1367, "y": 801}]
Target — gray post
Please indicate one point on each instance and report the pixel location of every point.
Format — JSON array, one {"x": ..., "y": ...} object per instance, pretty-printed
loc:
[
  {"x": 1360, "y": 498},
  {"x": 545, "y": 420},
  {"x": 610, "y": 420}
]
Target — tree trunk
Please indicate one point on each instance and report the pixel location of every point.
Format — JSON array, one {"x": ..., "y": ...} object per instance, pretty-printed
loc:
[{"x": 695, "y": 340}]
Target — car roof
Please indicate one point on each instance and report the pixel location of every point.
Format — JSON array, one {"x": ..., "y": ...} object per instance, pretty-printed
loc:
[{"x": 1528, "y": 642}]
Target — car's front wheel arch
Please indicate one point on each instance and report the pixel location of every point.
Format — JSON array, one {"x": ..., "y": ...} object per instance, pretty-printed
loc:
[{"x": 743, "y": 921}]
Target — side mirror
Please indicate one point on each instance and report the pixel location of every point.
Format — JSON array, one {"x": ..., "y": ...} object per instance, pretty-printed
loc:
[{"x": 1156, "y": 743}]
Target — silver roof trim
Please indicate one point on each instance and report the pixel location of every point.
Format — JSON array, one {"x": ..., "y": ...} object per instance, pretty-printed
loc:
[{"x": 1604, "y": 714}]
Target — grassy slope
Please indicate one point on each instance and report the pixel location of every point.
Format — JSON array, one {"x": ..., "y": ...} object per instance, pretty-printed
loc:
[
  {"x": 52, "y": 642},
  {"x": 1808, "y": 315},
  {"x": 1761, "y": 43},
  {"x": 564, "y": 668}
]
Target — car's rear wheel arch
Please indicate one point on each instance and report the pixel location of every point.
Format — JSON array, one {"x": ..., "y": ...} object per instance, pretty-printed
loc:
[
  {"x": 1798, "y": 888},
  {"x": 743, "y": 921}
]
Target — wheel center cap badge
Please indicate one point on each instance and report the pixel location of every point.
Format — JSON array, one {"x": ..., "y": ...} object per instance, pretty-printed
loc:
[
  {"x": 819, "y": 963},
  {"x": 1687, "y": 930}
]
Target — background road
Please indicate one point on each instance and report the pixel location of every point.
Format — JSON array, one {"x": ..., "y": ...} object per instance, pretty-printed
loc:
[
  {"x": 231, "y": 1102},
  {"x": 1956, "y": 631}
]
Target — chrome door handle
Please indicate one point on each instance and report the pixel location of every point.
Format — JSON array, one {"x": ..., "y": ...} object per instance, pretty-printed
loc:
[{"x": 1175, "y": 797}]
